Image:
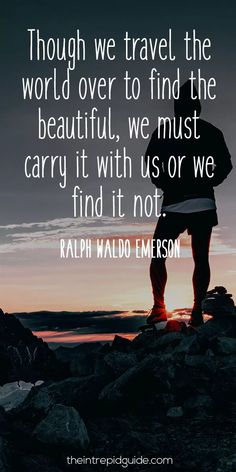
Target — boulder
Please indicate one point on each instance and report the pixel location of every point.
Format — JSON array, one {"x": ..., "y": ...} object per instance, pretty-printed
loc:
[
  {"x": 227, "y": 463},
  {"x": 199, "y": 401},
  {"x": 175, "y": 412},
  {"x": 190, "y": 381},
  {"x": 187, "y": 345},
  {"x": 225, "y": 360},
  {"x": 219, "y": 326},
  {"x": 145, "y": 342},
  {"x": 63, "y": 427},
  {"x": 170, "y": 339},
  {"x": 14, "y": 393},
  {"x": 121, "y": 344},
  {"x": 150, "y": 376},
  {"x": 38, "y": 463},
  {"x": 5, "y": 462},
  {"x": 205, "y": 363},
  {"x": 166, "y": 400},
  {"x": 225, "y": 345},
  {"x": 224, "y": 385},
  {"x": 4, "y": 426},
  {"x": 82, "y": 392},
  {"x": 118, "y": 362},
  {"x": 37, "y": 404},
  {"x": 154, "y": 341},
  {"x": 175, "y": 326}
]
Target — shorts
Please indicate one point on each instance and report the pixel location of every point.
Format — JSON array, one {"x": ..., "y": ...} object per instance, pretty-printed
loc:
[{"x": 175, "y": 223}]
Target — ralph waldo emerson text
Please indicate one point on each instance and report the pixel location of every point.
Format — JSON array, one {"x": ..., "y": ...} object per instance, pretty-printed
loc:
[{"x": 119, "y": 248}]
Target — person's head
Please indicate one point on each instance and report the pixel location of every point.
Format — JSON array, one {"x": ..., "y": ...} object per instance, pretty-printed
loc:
[{"x": 185, "y": 105}]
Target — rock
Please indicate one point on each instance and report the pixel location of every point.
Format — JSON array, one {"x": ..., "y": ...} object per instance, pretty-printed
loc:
[
  {"x": 121, "y": 344},
  {"x": 225, "y": 345},
  {"x": 14, "y": 393},
  {"x": 67, "y": 353},
  {"x": 191, "y": 381},
  {"x": 101, "y": 368},
  {"x": 139, "y": 383},
  {"x": 210, "y": 353},
  {"x": 38, "y": 463},
  {"x": 4, "y": 427},
  {"x": 187, "y": 345},
  {"x": 23, "y": 356},
  {"x": 119, "y": 362},
  {"x": 225, "y": 361},
  {"x": 5, "y": 464},
  {"x": 166, "y": 400},
  {"x": 154, "y": 341},
  {"x": 175, "y": 326},
  {"x": 199, "y": 401},
  {"x": 224, "y": 385},
  {"x": 82, "y": 366},
  {"x": 118, "y": 433},
  {"x": 169, "y": 340},
  {"x": 219, "y": 326},
  {"x": 125, "y": 386},
  {"x": 37, "y": 403},
  {"x": 205, "y": 363},
  {"x": 63, "y": 427},
  {"x": 146, "y": 443},
  {"x": 78, "y": 392},
  {"x": 227, "y": 463},
  {"x": 218, "y": 302},
  {"x": 175, "y": 412},
  {"x": 165, "y": 389},
  {"x": 80, "y": 359},
  {"x": 145, "y": 342}
]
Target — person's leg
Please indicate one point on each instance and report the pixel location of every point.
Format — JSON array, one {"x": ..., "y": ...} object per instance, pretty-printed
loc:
[
  {"x": 168, "y": 227},
  {"x": 201, "y": 275}
]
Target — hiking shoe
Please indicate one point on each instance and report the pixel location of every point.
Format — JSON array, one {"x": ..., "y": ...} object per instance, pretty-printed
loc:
[
  {"x": 157, "y": 315},
  {"x": 196, "y": 318}
]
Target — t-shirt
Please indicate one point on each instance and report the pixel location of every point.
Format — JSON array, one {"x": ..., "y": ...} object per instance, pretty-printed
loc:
[{"x": 191, "y": 205}]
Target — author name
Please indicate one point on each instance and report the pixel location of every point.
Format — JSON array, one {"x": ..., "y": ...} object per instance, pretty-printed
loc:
[{"x": 118, "y": 248}]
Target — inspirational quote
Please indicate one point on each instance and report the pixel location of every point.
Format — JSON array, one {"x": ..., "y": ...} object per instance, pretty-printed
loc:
[{"x": 92, "y": 124}]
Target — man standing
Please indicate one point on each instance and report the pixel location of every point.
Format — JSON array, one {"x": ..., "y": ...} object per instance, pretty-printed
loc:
[{"x": 188, "y": 200}]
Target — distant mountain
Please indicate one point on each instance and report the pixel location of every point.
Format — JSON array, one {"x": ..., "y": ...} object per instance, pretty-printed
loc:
[
  {"x": 23, "y": 356},
  {"x": 87, "y": 322}
]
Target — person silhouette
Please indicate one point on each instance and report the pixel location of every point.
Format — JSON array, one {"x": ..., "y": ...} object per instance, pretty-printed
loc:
[{"x": 188, "y": 201}]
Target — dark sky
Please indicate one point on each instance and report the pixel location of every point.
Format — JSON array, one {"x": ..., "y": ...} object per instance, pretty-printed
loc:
[{"x": 24, "y": 200}]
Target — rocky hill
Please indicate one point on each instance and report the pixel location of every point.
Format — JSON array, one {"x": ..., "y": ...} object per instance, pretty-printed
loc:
[
  {"x": 23, "y": 356},
  {"x": 168, "y": 393}
]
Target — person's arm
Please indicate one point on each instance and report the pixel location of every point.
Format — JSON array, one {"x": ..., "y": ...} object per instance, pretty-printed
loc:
[
  {"x": 154, "y": 149},
  {"x": 222, "y": 160}
]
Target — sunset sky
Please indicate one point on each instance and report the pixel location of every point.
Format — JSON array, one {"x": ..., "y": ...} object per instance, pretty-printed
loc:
[{"x": 35, "y": 215}]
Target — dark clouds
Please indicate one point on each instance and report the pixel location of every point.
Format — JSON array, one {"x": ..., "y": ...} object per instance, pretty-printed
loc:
[{"x": 82, "y": 322}]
